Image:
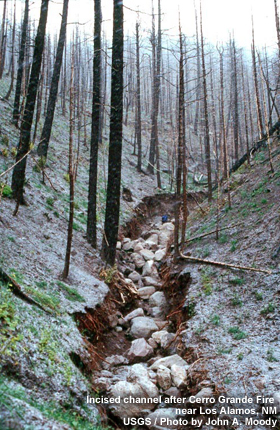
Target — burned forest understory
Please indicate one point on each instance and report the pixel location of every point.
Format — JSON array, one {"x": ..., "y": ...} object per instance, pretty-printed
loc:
[{"x": 139, "y": 216}]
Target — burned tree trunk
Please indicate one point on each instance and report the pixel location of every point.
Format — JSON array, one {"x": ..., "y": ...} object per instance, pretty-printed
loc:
[
  {"x": 206, "y": 119},
  {"x": 152, "y": 151},
  {"x": 71, "y": 172},
  {"x": 16, "y": 111},
  {"x": 47, "y": 129},
  {"x": 3, "y": 40},
  {"x": 223, "y": 127},
  {"x": 138, "y": 101},
  {"x": 7, "y": 96},
  {"x": 111, "y": 226},
  {"x": 198, "y": 79},
  {"x": 255, "y": 74},
  {"x": 95, "y": 126},
  {"x": 236, "y": 113},
  {"x": 18, "y": 178},
  {"x": 154, "y": 145}
]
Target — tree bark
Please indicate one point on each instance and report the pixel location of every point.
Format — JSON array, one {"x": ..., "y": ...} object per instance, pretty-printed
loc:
[
  {"x": 95, "y": 128},
  {"x": 138, "y": 100},
  {"x": 18, "y": 177},
  {"x": 71, "y": 172},
  {"x": 255, "y": 74},
  {"x": 47, "y": 128},
  {"x": 206, "y": 119},
  {"x": 111, "y": 226},
  {"x": 7, "y": 96},
  {"x": 236, "y": 107},
  {"x": 154, "y": 144},
  {"x": 3, "y": 40},
  {"x": 16, "y": 111}
]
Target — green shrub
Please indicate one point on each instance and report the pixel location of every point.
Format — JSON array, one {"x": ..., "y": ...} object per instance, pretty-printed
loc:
[
  {"x": 215, "y": 319},
  {"x": 50, "y": 201},
  {"x": 237, "y": 281},
  {"x": 223, "y": 238},
  {"x": 236, "y": 301},
  {"x": 14, "y": 152},
  {"x": 258, "y": 295},
  {"x": 268, "y": 309},
  {"x": 5, "y": 152},
  {"x": 7, "y": 191},
  {"x": 70, "y": 292},
  {"x": 237, "y": 334},
  {"x": 233, "y": 245},
  {"x": 5, "y": 140},
  {"x": 66, "y": 176}
]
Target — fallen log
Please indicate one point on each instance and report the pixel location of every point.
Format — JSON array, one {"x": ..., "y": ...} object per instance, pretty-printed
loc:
[
  {"x": 221, "y": 264},
  {"x": 258, "y": 145},
  {"x": 212, "y": 232},
  {"x": 17, "y": 290}
]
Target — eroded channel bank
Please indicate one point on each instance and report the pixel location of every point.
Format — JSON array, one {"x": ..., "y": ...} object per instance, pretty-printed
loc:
[{"x": 137, "y": 357}]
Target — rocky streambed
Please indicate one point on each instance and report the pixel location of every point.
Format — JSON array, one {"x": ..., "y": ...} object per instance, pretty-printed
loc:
[{"x": 149, "y": 377}]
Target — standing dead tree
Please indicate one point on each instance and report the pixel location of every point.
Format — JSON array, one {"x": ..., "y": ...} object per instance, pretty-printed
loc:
[
  {"x": 156, "y": 68},
  {"x": 256, "y": 83},
  {"x": 181, "y": 157},
  {"x": 138, "y": 102},
  {"x": 223, "y": 125},
  {"x": 11, "y": 87},
  {"x": 277, "y": 25},
  {"x": 47, "y": 128},
  {"x": 198, "y": 78},
  {"x": 18, "y": 178},
  {"x": 265, "y": 114},
  {"x": 71, "y": 173},
  {"x": 206, "y": 119},
  {"x": 111, "y": 226},
  {"x": 236, "y": 100},
  {"x": 16, "y": 110},
  {"x": 95, "y": 128},
  {"x": 3, "y": 40}
]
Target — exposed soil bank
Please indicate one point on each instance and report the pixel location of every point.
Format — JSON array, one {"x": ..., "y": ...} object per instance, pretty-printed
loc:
[{"x": 141, "y": 321}]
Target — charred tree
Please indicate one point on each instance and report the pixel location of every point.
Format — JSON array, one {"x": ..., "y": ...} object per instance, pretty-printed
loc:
[
  {"x": 156, "y": 66},
  {"x": 111, "y": 226},
  {"x": 95, "y": 128},
  {"x": 245, "y": 112},
  {"x": 277, "y": 25},
  {"x": 3, "y": 40},
  {"x": 198, "y": 78},
  {"x": 138, "y": 101},
  {"x": 236, "y": 102},
  {"x": 256, "y": 83},
  {"x": 206, "y": 118},
  {"x": 7, "y": 96},
  {"x": 47, "y": 128},
  {"x": 181, "y": 157},
  {"x": 223, "y": 127},
  {"x": 16, "y": 111},
  {"x": 71, "y": 173},
  {"x": 18, "y": 177},
  {"x": 152, "y": 151}
]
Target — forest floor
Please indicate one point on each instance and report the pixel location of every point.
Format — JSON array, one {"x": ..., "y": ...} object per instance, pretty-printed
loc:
[{"x": 228, "y": 323}]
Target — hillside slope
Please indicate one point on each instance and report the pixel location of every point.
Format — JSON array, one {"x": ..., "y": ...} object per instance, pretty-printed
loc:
[
  {"x": 233, "y": 328},
  {"x": 229, "y": 323}
]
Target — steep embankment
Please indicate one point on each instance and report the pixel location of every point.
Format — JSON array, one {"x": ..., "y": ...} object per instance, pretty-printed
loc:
[
  {"x": 234, "y": 330},
  {"x": 202, "y": 329}
]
